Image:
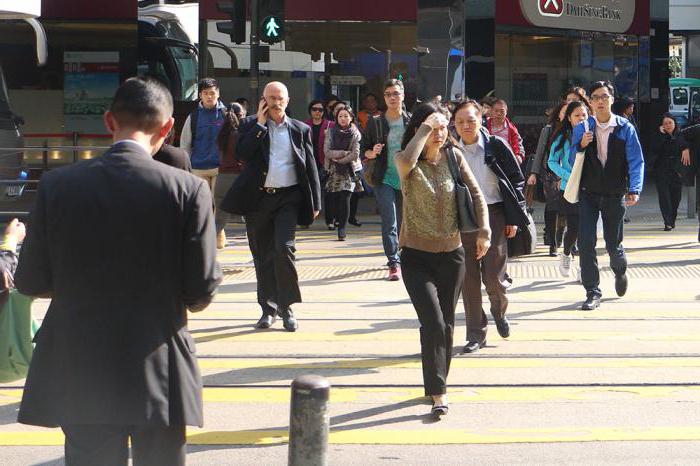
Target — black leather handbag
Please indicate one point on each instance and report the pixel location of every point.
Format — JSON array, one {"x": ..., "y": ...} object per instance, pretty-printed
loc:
[{"x": 465, "y": 205}]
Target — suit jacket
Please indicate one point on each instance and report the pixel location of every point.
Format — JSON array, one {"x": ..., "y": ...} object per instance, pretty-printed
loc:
[
  {"x": 123, "y": 245},
  {"x": 254, "y": 149},
  {"x": 174, "y": 156}
]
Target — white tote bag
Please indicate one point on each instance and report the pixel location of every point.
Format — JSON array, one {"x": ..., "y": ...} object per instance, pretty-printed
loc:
[{"x": 574, "y": 182}]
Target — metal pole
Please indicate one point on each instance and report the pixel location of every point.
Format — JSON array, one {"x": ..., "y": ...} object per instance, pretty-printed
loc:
[
  {"x": 308, "y": 421},
  {"x": 692, "y": 206},
  {"x": 254, "y": 67},
  {"x": 388, "y": 64}
]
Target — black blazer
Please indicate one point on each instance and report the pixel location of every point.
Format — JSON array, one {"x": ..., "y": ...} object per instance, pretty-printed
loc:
[
  {"x": 377, "y": 132},
  {"x": 253, "y": 148},
  {"x": 124, "y": 245},
  {"x": 502, "y": 161},
  {"x": 174, "y": 156}
]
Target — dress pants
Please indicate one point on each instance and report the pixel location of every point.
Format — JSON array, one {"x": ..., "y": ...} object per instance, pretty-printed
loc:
[
  {"x": 271, "y": 232},
  {"x": 670, "y": 188},
  {"x": 433, "y": 281},
  {"x": 491, "y": 269},
  {"x": 612, "y": 209},
  {"x": 108, "y": 445},
  {"x": 341, "y": 207}
]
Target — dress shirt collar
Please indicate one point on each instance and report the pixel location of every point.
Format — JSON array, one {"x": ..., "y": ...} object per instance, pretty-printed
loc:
[
  {"x": 134, "y": 144},
  {"x": 474, "y": 148},
  {"x": 273, "y": 124},
  {"x": 612, "y": 122}
]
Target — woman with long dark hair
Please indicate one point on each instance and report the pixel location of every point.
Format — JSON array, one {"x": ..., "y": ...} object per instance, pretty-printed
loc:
[
  {"x": 342, "y": 149},
  {"x": 559, "y": 163},
  {"x": 432, "y": 256},
  {"x": 667, "y": 149}
]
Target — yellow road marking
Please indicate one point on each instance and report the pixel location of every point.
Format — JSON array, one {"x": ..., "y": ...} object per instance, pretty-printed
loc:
[
  {"x": 457, "y": 363},
  {"x": 402, "y": 335},
  {"x": 564, "y": 434}
]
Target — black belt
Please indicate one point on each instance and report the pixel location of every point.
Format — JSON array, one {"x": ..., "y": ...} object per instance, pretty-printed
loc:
[{"x": 278, "y": 190}]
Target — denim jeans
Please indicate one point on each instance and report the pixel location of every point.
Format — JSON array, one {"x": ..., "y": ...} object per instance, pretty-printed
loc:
[
  {"x": 389, "y": 203},
  {"x": 612, "y": 209}
]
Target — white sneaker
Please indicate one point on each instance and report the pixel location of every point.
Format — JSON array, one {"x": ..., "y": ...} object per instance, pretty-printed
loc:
[{"x": 564, "y": 265}]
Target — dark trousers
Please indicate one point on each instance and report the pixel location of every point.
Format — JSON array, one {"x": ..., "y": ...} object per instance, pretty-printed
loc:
[
  {"x": 354, "y": 202},
  {"x": 569, "y": 212},
  {"x": 554, "y": 224},
  {"x": 669, "y": 187},
  {"x": 108, "y": 445},
  {"x": 491, "y": 269},
  {"x": 340, "y": 202},
  {"x": 328, "y": 208},
  {"x": 612, "y": 210},
  {"x": 433, "y": 282},
  {"x": 271, "y": 233}
]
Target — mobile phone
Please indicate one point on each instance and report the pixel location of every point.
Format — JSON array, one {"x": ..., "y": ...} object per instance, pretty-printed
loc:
[{"x": 585, "y": 125}]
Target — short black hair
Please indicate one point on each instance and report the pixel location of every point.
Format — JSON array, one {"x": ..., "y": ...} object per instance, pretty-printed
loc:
[
  {"x": 242, "y": 101},
  {"x": 393, "y": 82},
  {"x": 599, "y": 84},
  {"x": 370, "y": 94},
  {"x": 314, "y": 102},
  {"x": 142, "y": 103},
  {"x": 207, "y": 83},
  {"x": 468, "y": 103}
]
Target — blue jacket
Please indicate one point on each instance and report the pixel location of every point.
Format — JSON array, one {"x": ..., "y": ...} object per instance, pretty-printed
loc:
[
  {"x": 205, "y": 152},
  {"x": 559, "y": 162},
  {"x": 624, "y": 170}
]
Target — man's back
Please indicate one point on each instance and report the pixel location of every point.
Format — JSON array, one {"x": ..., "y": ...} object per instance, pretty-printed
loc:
[{"x": 122, "y": 244}]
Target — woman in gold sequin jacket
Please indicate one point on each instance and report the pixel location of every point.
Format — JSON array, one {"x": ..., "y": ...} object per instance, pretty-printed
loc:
[{"x": 432, "y": 256}]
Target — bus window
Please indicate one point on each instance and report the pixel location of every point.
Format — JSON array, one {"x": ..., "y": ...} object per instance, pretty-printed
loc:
[
  {"x": 680, "y": 96},
  {"x": 187, "y": 70}
]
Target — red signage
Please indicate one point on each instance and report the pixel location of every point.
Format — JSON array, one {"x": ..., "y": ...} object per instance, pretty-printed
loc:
[{"x": 551, "y": 7}]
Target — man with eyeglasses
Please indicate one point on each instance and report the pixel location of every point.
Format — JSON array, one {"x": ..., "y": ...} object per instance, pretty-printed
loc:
[
  {"x": 381, "y": 143},
  {"x": 611, "y": 180}
]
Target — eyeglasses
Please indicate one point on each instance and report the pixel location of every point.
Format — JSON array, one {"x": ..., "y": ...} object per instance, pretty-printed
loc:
[
  {"x": 316, "y": 109},
  {"x": 392, "y": 94},
  {"x": 601, "y": 98}
]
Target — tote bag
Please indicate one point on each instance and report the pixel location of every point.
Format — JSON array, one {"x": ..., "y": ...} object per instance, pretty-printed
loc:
[{"x": 574, "y": 183}]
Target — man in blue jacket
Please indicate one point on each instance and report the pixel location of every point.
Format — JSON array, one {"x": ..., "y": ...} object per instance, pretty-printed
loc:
[
  {"x": 198, "y": 139},
  {"x": 612, "y": 178}
]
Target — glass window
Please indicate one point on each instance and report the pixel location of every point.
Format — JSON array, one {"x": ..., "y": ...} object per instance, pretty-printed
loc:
[{"x": 680, "y": 96}]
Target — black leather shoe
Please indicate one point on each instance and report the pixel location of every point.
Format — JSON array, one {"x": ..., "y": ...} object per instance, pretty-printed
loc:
[
  {"x": 288, "y": 321},
  {"x": 355, "y": 222},
  {"x": 474, "y": 346},
  {"x": 266, "y": 321},
  {"x": 592, "y": 302},
  {"x": 621, "y": 284},
  {"x": 503, "y": 327}
]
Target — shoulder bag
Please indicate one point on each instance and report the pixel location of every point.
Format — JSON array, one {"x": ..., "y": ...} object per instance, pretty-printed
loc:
[{"x": 465, "y": 205}]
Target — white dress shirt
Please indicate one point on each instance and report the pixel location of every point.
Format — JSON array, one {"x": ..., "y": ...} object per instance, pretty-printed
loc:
[
  {"x": 602, "y": 134},
  {"x": 475, "y": 154},
  {"x": 281, "y": 171}
]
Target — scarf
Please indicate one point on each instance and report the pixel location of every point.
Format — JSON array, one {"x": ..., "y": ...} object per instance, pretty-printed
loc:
[{"x": 342, "y": 138}]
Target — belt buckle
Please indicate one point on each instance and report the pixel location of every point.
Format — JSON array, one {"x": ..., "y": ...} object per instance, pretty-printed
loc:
[{"x": 270, "y": 190}]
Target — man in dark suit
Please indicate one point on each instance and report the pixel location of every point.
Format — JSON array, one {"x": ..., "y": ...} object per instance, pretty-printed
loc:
[
  {"x": 124, "y": 246},
  {"x": 278, "y": 189}
]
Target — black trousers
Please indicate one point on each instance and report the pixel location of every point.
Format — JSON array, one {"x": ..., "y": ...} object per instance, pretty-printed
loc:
[
  {"x": 271, "y": 237},
  {"x": 108, "y": 445},
  {"x": 354, "y": 203},
  {"x": 669, "y": 187},
  {"x": 433, "y": 282},
  {"x": 340, "y": 202},
  {"x": 569, "y": 212}
]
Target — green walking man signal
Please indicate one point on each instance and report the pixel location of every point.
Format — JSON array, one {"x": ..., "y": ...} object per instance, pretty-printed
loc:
[{"x": 272, "y": 30}]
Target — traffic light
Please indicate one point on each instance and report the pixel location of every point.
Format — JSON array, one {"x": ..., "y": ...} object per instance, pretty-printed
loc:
[
  {"x": 271, "y": 21},
  {"x": 236, "y": 27}
]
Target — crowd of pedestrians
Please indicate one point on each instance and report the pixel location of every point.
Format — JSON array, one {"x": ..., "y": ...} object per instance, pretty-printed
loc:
[{"x": 449, "y": 186}]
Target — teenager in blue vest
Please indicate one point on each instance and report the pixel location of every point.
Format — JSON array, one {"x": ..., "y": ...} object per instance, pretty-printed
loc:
[
  {"x": 611, "y": 180},
  {"x": 199, "y": 136}
]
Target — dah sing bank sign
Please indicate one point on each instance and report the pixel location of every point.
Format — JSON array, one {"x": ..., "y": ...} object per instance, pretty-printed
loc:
[{"x": 587, "y": 15}]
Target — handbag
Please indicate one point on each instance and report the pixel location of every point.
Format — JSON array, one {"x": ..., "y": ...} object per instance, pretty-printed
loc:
[
  {"x": 465, "y": 205},
  {"x": 524, "y": 242},
  {"x": 369, "y": 165},
  {"x": 574, "y": 183},
  {"x": 17, "y": 329}
]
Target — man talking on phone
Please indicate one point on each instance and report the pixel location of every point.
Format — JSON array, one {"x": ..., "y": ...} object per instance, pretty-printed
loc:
[{"x": 278, "y": 190}]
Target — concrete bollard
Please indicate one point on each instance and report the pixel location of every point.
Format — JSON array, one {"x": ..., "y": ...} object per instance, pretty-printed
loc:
[{"x": 308, "y": 421}]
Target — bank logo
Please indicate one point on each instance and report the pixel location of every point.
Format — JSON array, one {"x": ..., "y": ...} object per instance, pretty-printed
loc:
[{"x": 551, "y": 7}]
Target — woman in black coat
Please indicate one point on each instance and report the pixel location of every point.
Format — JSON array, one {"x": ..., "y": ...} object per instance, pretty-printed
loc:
[{"x": 668, "y": 148}]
